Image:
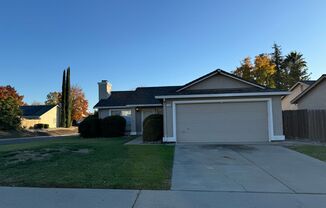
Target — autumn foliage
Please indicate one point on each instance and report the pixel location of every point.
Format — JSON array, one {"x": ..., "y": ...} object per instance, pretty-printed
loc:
[
  {"x": 274, "y": 70},
  {"x": 79, "y": 102},
  {"x": 9, "y": 91}
]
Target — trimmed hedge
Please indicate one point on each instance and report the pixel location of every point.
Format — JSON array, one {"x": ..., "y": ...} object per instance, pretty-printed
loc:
[
  {"x": 113, "y": 126},
  {"x": 41, "y": 126},
  {"x": 153, "y": 128},
  {"x": 90, "y": 127}
]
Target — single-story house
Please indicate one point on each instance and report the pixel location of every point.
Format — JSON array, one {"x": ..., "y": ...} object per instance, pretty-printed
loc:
[
  {"x": 306, "y": 95},
  {"x": 217, "y": 107},
  {"x": 45, "y": 114}
]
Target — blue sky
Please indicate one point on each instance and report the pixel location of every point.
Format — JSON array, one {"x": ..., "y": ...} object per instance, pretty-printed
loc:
[{"x": 147, "y": 43}]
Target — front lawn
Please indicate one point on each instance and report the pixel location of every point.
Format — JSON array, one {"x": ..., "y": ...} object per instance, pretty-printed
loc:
[
  {"x": 86, "y": 163},
  {"x": 315, "y": 151}
]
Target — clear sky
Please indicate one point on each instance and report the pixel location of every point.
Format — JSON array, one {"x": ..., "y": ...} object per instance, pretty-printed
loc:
[{"x": 147, "y": 43}]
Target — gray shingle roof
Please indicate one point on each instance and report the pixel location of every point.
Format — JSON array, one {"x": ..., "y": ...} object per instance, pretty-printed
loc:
[
  {"x": 35, "y": 110},
  {"x": 308, "y": 82},
  {"x": 140, "y": 96}
]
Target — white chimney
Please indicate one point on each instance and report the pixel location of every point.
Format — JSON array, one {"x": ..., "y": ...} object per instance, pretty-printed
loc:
[{"x": 104, "y": 89}]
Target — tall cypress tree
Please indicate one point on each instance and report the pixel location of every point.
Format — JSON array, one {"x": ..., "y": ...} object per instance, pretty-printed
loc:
[
  {"x": 68, "y": 99},
  {"x": 63, "y": 101},
  {"x": 277, "y": 59}
]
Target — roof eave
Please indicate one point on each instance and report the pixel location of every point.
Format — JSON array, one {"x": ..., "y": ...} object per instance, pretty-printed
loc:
[
  {"x": 127, "y": 106},
  {"x": 31, "y": 117},
  {"x": 223, "y": 95}
]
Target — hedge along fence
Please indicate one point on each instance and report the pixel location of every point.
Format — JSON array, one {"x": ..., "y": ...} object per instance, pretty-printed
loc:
[
  {"x": 305, "y": 124},
  {"x": 153, "y": 128},
  {"x": 112, "y": 126}
]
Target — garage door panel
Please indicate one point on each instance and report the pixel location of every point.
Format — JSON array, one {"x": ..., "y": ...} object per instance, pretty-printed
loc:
[{"x": 222, "y": 122}]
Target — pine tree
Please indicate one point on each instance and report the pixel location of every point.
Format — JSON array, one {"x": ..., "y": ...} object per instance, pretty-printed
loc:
[
  {"x": 277, "y": 60},
  {"x": 68, "y": 99},
  {"x": 63, "y": 101},
  {"x": 245, "y": 70}
]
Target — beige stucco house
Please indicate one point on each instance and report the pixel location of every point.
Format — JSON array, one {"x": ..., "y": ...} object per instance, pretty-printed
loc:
[
  {"x": 217, "y": 107},
  {"x": 35, "y": 114},
  {"x": 306, "y": 95}
]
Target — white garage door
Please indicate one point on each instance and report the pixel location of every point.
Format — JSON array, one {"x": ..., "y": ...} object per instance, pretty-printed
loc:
[{"x": 222, "y": 122}]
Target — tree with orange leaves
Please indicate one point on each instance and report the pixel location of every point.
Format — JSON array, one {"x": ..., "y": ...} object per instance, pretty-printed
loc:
[
  {"x": 264, "y": 70},
  {"x": 79, "y": 104},
  {"x": 9, "y": 91}
]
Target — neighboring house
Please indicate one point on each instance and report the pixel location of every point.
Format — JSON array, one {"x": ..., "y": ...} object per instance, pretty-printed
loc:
[
  {"x": 306, "y": 95},
  {"x": 295, "y": 90},
  {"x": 217, "y": 107},
  {"x": 45, "y": 114},
  {"x": 314, "y": 97}
]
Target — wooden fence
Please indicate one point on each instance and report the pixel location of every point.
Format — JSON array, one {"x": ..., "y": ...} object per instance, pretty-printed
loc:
[{"x": 305, "y": 124}]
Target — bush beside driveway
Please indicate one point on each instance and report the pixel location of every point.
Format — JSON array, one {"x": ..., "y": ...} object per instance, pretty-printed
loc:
[{"x": 86, "y": 163}]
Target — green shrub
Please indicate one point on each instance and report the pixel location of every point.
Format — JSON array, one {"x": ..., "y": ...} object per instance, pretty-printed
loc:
[
  {"x": 153, "y": 128},
  {"x": 89, "y": 127},
  {"x": 39, "y": 126},
  {"x": 113, "y": 126},
  {"x": 46, "y": 126}
]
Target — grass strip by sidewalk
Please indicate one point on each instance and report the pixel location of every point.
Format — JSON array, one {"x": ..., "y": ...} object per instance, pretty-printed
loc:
[{"x": 316, "y": 151}]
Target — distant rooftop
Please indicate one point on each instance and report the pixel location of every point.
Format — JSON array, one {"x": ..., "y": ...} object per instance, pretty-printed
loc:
[{"x": 35, "y": 110}]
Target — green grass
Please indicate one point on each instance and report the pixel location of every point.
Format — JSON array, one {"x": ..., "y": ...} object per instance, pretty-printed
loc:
[
  {"x": 109, "y": 164},
  {"x": 315, "y": 151}
]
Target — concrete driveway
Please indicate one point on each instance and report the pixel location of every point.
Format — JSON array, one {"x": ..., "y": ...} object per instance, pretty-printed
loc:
[{"x": 246, "y": 168}]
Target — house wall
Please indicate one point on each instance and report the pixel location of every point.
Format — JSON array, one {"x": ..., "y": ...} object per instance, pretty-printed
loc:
[
  {"x": 51, "y": 117},
  {"x": 219, "y": 82},
  {"x": 102, "y": 113},
  {"x": 276, "y": 107},
  {"x": 315, "y": 99},
  {"x": 286, "y": 101}
]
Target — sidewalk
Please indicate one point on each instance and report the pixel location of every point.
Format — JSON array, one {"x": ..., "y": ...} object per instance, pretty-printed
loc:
[{"x": 11, "y": 197}]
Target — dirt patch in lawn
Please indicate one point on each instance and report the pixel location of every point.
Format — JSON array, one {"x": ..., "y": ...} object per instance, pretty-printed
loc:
[
  {"x": 20, "y": 156},
  {"x": 37, "y": 132}
]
